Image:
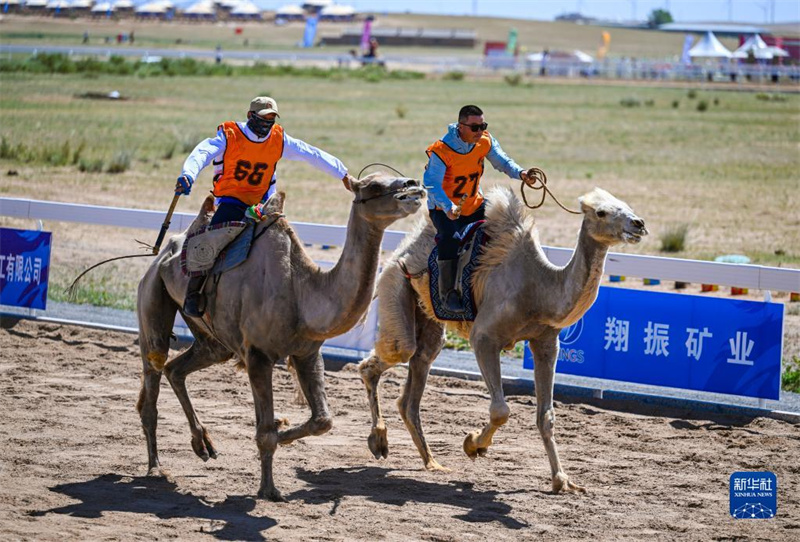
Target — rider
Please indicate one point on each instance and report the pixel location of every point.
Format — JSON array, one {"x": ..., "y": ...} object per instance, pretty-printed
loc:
[
  {"x": 245, "y": 157},
  {"x": 455, "y": 199}
]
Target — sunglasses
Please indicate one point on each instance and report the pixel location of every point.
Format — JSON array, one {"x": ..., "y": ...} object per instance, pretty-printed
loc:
[{"x": 476, "y": 127}]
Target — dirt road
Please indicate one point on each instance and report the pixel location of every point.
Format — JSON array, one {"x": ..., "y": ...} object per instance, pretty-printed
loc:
[{"x": 74, "y": 462}]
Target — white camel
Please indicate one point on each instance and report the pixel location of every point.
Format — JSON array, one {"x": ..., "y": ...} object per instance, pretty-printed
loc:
[{"x": 519, "y": 295}]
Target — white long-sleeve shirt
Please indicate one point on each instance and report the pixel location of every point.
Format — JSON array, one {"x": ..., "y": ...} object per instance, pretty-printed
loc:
[{"x": 212, "y": 150}]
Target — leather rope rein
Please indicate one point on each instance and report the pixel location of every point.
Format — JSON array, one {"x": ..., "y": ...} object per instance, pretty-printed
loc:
[{"x": 536, "y": 175}]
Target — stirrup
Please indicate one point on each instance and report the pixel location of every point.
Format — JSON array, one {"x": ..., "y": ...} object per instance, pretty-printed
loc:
[
  {"x": 194, "y": 305},
  {"x": 453, "y": 302}
]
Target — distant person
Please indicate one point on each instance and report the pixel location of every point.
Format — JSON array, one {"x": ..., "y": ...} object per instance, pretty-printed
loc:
[
  {"x": 545, "y": 58},
  {"x": 245, "y": 157},
  {"x": 372, "y": 49},
  {"x": 86, "y": 37},
  {"x": 218, "y": 54},
  {"x": 130, "y": 37},
  {"x": 119, "y": 39},
  {"x": 454, "y": 170}
]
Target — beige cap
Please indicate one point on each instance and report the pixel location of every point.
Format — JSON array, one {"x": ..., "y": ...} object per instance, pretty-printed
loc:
[{"x": 264, "y": 105}]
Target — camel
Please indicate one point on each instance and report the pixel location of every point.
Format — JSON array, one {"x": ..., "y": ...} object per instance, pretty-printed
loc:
[
  {"x": 519, "y": 295},
  {"x": 278, "y": 304}
]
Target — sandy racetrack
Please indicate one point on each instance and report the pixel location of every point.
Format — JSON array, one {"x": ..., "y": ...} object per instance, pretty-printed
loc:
[{"x": 74, "y": 460}]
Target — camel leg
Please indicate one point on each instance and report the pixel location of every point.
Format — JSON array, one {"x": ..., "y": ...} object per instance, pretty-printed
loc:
[
  {"x": 487, "y": 352},
  {"x": 259, "y": 370},
  {"x": 311, "y": 377},
  {"x": 545, "y": 352},
  {"x": 397, "y": 342},
  {"x": 156, "y": 314},
  {"x": 430, "y": 340},
  {"x": 203, "y": 353},
  {"x": 371, "y": 370},
  {"x": 148, "y": 412}
]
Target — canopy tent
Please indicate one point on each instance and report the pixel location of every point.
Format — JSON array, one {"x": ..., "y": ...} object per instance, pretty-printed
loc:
[
  {"x": 81, "y": 4},
  {"x": 153, "y": 9},
  {"x": 36, "y": 4},
  {"x": 123, "y": 5},
  {"x": 246, "y": 10},
  {"x": 759, "y": 49},
  {"x": 337, "y": 13},
  {"x": 204, "y": 9},
  {"x": 290, "y": 12},
  {"x": 102, "y": 8},
  {"x": 709, "y": 47}
]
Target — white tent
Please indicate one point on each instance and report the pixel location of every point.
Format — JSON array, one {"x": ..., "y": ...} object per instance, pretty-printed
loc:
[
  {"x": 204, "y": 9},
  {"x": 709, "y": 47},
  {"x": 336, "y": 12},
  {"x": 81, "y": 4},
  {"x": 123, "y": 4},
  {"x": 758, "y": 48},
  {"x": 246, "y": 10},
  {"x": 58, "y": 4},
  {"x": 153, "y": 8},
  {"x": 290, "y": 11},
  {"x": 35, "y": 4},
  {"x": 102, "y": 8}
]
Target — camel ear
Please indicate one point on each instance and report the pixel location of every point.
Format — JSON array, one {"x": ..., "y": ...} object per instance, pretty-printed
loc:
[{"x": 275, "y": 203}]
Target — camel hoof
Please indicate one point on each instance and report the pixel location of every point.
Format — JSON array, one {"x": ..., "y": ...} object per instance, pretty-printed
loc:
[
  {"x": 157, "y": 472},
  {"x": 561, "y": 482},
  {"x": 203, "y": 446},
  {"x": 434, "y": 466},
  {"x": 471, "y": 445},
  {"x": 378, "y": 443},
  {"x": 271, "y": 494}
]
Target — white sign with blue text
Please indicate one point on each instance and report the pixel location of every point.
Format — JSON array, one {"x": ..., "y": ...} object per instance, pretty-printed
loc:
[{"x": 676, "y": 340}]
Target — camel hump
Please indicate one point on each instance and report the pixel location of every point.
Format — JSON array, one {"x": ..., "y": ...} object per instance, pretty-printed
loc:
[
  {"x": 208, "y": 205},
  {"x": 275, "y": 203}
]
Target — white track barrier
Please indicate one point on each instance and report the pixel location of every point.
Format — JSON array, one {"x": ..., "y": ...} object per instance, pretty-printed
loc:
[{"x": 630, "y": 265}]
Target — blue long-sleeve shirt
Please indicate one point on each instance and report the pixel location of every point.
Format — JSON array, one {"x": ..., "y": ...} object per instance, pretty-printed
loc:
[
  {"x": 434, "y": 172},
  {"x": 211, "y": 150}
]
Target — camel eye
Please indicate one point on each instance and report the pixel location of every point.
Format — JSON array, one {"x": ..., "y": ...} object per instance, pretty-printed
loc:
[{"x": 600, "y": 213}]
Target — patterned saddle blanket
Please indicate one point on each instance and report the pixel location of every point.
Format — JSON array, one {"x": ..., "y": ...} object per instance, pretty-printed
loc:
[
  {"x": 472, "y": 238},
  {"x": 218, "y": 248}
]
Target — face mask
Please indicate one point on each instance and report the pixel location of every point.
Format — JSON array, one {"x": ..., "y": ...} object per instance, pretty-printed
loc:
[{"x": 260, "y": 126}]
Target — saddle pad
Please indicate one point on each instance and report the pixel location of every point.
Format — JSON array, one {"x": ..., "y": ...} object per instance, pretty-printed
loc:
[
  {"x": 200, "y": 249},
  {"x": 470, "y": 248},
  {"x": 237, "y": 251}
]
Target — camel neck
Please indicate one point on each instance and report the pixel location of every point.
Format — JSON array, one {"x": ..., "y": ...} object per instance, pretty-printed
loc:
[
  {"x": 348, "y": 287},
  {"x": 582, "y": 276}
]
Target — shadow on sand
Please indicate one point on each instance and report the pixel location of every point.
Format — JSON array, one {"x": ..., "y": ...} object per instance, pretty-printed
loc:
[
  {"x": 161, "y": 498},
  {"x": 374, "y": 484}
]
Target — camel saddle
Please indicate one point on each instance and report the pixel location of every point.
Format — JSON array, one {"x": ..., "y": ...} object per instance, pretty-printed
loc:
[
  {"x": 471, "y": 239},
  {"x": 214, "y": 249}
]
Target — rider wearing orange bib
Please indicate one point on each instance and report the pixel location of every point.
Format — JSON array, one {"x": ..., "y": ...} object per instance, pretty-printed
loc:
[
  {"x": 245, "y": 156},
  {"x": 455, "y": 199}
]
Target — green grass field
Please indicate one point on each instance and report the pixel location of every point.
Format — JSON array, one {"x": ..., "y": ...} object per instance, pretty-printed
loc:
[{"x": 729, "y": 174}]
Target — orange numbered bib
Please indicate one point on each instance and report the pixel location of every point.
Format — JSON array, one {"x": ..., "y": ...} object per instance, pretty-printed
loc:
[
  {"x": 463, "y": 174},
  {"x": 247, "y": 166}
]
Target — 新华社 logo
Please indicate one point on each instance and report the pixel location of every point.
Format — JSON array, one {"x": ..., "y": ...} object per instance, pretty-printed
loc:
[{"x": 753, "y": 495}]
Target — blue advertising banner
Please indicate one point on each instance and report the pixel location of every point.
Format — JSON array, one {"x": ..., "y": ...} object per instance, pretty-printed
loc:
[
  {"x": 24, "y": 267},
  {"x": 676, "y": 340}
]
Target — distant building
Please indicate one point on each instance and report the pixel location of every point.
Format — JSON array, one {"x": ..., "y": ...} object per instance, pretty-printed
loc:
[
  {"x": 575, "y": 18},
  {"x": 719, "y": 29}
]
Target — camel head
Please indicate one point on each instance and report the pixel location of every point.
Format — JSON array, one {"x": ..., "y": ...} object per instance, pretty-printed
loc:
[
  {"x": 383, "y": 199},
  {"x": 610, "y": 221}
]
